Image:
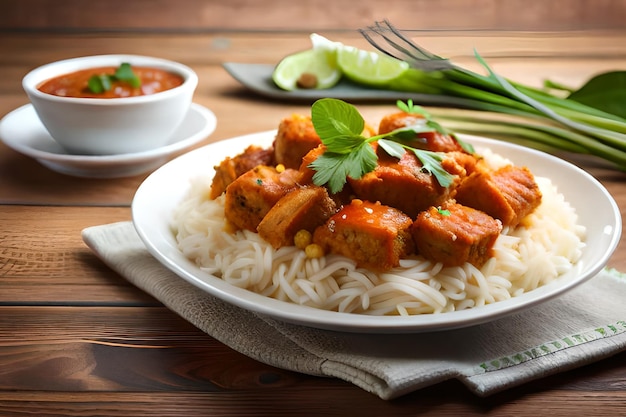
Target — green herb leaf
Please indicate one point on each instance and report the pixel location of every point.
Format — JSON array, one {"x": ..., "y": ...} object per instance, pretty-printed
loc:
[
  {"x": 606, "y": 92},
  {"x": 443, "y": 212},
  {"x": 335, "y": 118},
  {"x": 98, "y": 84},
  {"x": 432, "y": 163},
  {"x": 349, "y": 154},
  {"x": 334, "y": 168},
  {"x": 430, "y": 124},
  {"x": 125, "y": 73},
  {"x": 342, "y": 144},
  {"x": 392, "y": 148}
]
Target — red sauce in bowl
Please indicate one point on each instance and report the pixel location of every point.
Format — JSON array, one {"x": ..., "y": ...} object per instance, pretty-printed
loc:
[{"x": 153, "y": 80}]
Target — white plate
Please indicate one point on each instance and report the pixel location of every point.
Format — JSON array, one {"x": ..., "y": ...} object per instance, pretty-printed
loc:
[
  {"x": 22, "y": 131},
  {"x": 159, "y": 194}
]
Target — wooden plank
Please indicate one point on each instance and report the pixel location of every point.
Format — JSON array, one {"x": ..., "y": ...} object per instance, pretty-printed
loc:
[
  {"x": 446, "y": 400},
  {"x": 199, "y": 15},
  {"x": 43, "y": 259},
  {"x": 97, "y": 360},
  {"x": 101, "y": 359},
  {"x": 120, "y": 349}
]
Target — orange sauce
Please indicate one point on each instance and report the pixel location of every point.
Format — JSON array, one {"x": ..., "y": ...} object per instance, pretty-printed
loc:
[{"x": 153, "y": 80}]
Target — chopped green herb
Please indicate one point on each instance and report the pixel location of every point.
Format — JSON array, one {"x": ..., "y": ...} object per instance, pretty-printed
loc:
[
  {"x": 443, "y": 212},
  {"x": 125, "y": 73},
  {"x": 100, "y": 83},
  {"x": 411, "y": 108},
  {"x": 349, "y": 154},
  {"x": 259, "y": 181}
]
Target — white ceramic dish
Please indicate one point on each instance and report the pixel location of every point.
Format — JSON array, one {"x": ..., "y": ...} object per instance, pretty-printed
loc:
[
  {"x": 22, "y": 131},
  {"x": 162, "y": 190},
  {"x": 107, "y": 126}
]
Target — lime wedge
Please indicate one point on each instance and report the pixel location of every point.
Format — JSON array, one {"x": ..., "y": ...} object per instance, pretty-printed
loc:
[
  {"x": 320, "y": 42},
  {"x": 369, "y": 68},
  {"x": 313, "y": 68}
]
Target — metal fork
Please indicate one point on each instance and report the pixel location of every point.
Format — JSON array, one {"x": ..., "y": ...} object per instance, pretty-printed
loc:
[{"x": 400, "y": 47}]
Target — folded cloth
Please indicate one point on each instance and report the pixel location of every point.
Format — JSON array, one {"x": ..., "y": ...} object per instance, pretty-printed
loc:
[{"x": 584, "y": 325}]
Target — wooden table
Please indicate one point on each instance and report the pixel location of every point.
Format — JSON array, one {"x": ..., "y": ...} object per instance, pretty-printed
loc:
[{"x": 77, "y": 339}]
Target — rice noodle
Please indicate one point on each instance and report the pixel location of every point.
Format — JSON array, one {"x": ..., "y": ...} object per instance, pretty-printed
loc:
[{"x": 547, "y": 245}]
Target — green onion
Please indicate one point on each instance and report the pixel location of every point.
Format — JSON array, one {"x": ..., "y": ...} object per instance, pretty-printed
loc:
[{"x": 589, "y": 120}]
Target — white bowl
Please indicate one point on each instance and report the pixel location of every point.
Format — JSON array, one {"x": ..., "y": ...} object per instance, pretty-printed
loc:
[{"x": 109, "y": 126}]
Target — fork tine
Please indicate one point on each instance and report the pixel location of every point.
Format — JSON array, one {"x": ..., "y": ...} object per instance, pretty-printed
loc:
[
  {"x": 371, "y": 40},
  {"x": 423, "y": 52},
  {"x": 412, "y": 53},
  {"x": 383, "y": 34}
]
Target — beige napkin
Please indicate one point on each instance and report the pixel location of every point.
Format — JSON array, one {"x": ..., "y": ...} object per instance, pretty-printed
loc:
[{"x": 583, "y": 326}]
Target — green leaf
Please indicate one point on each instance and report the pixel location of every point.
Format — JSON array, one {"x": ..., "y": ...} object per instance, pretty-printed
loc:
[
  {"x": 614, "y": 138},
  {"x": 392, "y": 148},
  {"x": 432, "y": 163},
  {"x": 342, "y": 144},
  {"x": 99, "y": 83},
  {"x": 362, "y": 161},
  {"x": 125, "y": 73},
  {"x": 329, "y": 169},
  {"x": 553, "y": 85},
  {"x": 430, "y": 125},
  {"x": 332, "y": 118},
  {"x": 412, "y": 108},
  {"x": 334, "y": 169},
  {"x": 605, "y": 92},
  {"x": 349, "y": 154}
]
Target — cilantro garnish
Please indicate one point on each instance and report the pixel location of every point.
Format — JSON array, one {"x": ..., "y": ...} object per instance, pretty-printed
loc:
[
  {"x": 100, "y": 83},
  {"x": 411, "y": 108},
  {"x": 349, "y": 154}
]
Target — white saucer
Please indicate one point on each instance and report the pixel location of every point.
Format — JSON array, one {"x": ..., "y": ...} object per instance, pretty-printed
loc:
[{"x": 22, "y": 131}]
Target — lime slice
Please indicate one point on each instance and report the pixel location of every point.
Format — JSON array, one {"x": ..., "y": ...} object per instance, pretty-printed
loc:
[
  {"x": 369, "y": 68},
  {"x": 313, "y": 68},
  {"x": 320, "y": 42}
]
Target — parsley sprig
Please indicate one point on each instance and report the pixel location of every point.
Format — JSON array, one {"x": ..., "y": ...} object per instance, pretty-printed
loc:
[
  {"x": 349, "y": 154},
  {"x": 100, "y": 83},
  {"x": 411, "y": 108}
]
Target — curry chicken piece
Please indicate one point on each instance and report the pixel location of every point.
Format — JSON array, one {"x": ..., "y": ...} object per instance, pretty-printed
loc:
[
  {"x": 454, "y": 234},
  {"x": 508, "y": 194},
  {"x": 402, "y": 183},
  {"x": 374, "y": 235},
  {"x": 231, "y": 168},
  {"x": 304, "y": 208},
  {"x": 295, "y": 137},
  {"x": 251, "y": 196},
  {"x": 306, "y": 172},
  {"x": 432, "y": 141}
]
